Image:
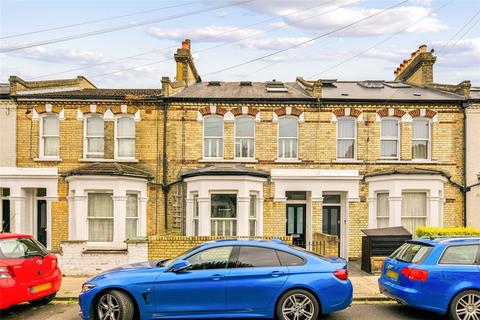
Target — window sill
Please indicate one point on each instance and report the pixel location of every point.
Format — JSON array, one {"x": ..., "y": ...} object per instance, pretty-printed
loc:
[
  {"x": 407, "y": 161},
  {"x": 57, "y": 159},
  {"x": 288, "y": 161},
  {"x": 229, "y": 160},
  {"x": 106, "y": 247},
  {"x": 107, "y": 160},
  {"x": 347, "y": 161}
]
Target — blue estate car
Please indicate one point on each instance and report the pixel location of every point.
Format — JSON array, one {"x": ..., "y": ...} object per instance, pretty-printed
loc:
[
  {"x": 222, "y": 279},
  {"x": 438, "y": 274}
]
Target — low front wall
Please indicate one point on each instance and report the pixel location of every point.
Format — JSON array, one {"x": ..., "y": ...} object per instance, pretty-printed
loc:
[
  {"x": 162, "y": 247},
  {"x": 76, "y": 259}
]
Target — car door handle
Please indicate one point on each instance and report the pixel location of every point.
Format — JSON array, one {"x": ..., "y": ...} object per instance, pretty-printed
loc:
[
  {"x": 216, "y": 277},
  {"x": 276, "y": 273}
]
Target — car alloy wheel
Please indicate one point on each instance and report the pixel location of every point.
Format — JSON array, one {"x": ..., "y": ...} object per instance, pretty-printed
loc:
[
  {"x": 298, "y": 307},
  {"x": 108, "y": 308},
  {"x": 468, "y": 306}
]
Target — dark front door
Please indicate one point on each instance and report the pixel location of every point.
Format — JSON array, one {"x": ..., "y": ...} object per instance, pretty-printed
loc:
[
  {"x": 42, "y": 221},
  {"x": 331, "y": 221},
  {"x": 5, "y": 215},
  {"x": 296, "y": 214}
]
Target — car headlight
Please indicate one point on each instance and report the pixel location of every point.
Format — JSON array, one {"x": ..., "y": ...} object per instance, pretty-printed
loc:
[{"x": 87, "y": 287}]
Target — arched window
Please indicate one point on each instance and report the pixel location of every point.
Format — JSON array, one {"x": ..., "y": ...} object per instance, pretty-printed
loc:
[
  {"x": 125, "y": 137},
  {"x": 244, "y": 137},
  {"x": 50, "y": 136},
  {"x": 94, "y": 137},
  {"x": 213, "y": 137},
  {"x": 421, "y": 139},
  {"x": 390, "y": 138},
  {"x": 288, "y": 138},
  {"x": 346, "y": 136}
]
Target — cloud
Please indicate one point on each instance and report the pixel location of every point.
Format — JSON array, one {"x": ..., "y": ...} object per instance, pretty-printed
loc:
[
  {"x": 64, "y": 56},
  {"x": 246, "y": 38},
  {"x": 328, "y": 16}
]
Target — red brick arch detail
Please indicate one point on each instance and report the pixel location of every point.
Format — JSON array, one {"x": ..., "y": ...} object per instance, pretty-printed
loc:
[
  {"x": 205, "y": 111},
  {"x": 355, "y": 112},
  {"x": 283, "y": 112},
  {"x": 238, "y": 111},
  {"x": 99, "y": 109},
  {"x": 396, "y": 113},
  {"x": 341, "y": 112},
  {"x": 118, "y": 110}
]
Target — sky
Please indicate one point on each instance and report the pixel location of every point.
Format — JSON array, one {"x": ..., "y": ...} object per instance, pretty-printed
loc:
[{"x": 130, "y": 44}]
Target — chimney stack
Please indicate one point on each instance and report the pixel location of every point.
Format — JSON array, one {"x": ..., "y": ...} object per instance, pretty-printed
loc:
[
  {"x": 418, "y": 69},
  {"x": 186, "y": 70}
]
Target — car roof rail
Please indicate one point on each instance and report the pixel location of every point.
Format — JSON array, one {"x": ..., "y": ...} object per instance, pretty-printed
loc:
[{"x": 454, "y": 238}]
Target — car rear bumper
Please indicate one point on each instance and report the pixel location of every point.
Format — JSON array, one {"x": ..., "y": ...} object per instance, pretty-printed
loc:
[
  {"x": 13, "y": 292},
  {"x": 407, "y": 296}
]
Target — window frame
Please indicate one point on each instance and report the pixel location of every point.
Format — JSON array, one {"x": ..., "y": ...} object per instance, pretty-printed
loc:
[
  {"x": 289, "y": 138},
  {"x": 390, "y": 138},
  {"x": 195, "y": 218},
  {"x": 428, "y": 140},
  {"x": 254, "y": 217},
  {"x": 137, "y": 218},
  {"x": 204, "y": 137},
  {"x": 231, "y": 262},
  {"x": 117, "y": 137},
  {"x": 348, "y": 139},
  {"x": 110, "y": 192},
  {"x": 477, "y": 256},
  {"x": 236, "y": 219},
  {"x": 42, "y": 136},
  {"x": 86, "y": 154},
  {"x": 235, "y": 137},
  {"x": 237, "y": 256},
  {"x": 388, "y": 217}
]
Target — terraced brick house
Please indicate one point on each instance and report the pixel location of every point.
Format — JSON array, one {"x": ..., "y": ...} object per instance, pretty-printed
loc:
[{"x": 146, "y": 173}]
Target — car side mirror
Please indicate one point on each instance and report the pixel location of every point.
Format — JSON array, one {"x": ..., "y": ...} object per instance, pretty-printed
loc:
[{"x": 180, "y": 266}]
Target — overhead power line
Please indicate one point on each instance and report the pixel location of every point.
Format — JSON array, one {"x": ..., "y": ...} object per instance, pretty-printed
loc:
[
  {"x": 382, "y": 41},
  {"x": 307, "y": 41},
  {"x": 459, "y": 31},
  {"x": 96, "y": 21},
  {"x": 174, "y": 46},
  {"x": 118, "y": 28}
]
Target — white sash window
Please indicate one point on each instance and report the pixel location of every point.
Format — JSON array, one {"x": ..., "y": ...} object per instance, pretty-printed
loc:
[
  {"x": 288, "y": 138},
  {"x": 213, "y": 137}
]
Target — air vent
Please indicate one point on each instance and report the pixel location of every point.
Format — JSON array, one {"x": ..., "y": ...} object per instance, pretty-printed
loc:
[
  {"x": 397, "y": 85},
  {"x": 329, "y": 83},
  {"x": 371, "y": 84},
  {"x": 246, "y": 83},
  {"x": 214, "y": 83},
  {"x": 344, "y": 94},
  {"x": 417, "y": 94}
]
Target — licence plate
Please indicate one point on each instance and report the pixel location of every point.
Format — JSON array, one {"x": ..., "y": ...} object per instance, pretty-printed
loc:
[
  {"x": 392, "y": 274},
  {"x": 41, "y": 287}
]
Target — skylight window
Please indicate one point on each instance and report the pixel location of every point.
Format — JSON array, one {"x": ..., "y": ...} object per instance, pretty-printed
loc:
[
  {"x": 371, "y": 84},
  {"x": 397, "y": 85},
  {"x": 276, "y": 86}
]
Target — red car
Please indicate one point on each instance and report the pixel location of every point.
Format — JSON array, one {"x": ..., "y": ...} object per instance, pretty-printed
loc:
[{"x": 28, "y": 272}]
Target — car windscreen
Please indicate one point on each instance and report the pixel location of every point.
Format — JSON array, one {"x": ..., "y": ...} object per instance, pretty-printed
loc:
[
  {"x": 17, "y": 248},
  {"x": 412, "y": 252}
]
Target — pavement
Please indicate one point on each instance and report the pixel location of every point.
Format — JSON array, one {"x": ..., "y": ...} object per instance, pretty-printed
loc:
[{"x": 369, "y": 311}]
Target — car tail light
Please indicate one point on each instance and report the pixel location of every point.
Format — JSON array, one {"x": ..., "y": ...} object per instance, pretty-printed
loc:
[
  {"x": 341, "y": 274},
  {"x": 5, "y": 273},
  {"x": 415, "y": 274},
  {"x": 54, "y": 264}
]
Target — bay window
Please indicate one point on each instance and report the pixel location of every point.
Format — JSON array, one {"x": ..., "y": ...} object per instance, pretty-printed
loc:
[
  {"x": 213, "y": 137},
  {"x": 100, "y": 217},
  {"x": 244, "y": 137},
  {"x": 288, "y": 138},
  {"x": 389, "y": 140},
  {"x": 131, "y": 216},
  {"x": 94, "y": 137},
  {"x": 49, "y": 136},
  {"x": 420, "y": 139},
  {"x": 223, "y": 215},
  {"x": 346, "y": 135},
  {"x": 383, "y": 210},
  {"x": 125, "y": 137},
  {"x": 414, "y": 210}
]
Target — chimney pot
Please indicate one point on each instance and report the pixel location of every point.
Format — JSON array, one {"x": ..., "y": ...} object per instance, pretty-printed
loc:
[{"x": 186, "y": 44}]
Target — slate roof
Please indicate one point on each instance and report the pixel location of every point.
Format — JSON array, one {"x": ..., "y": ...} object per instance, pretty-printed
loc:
[
  {"x": 233, "y": 90},
  {"x": 475, "y": 93},
  {"x": 333, "y": 90},
  {"x": 406, "y": 171},
  {"x": 96, "y": 94},
  {"x": 4, "y": 89},
  {"x": 109, "y": 169},
  {"x": 225, "y": 170}
]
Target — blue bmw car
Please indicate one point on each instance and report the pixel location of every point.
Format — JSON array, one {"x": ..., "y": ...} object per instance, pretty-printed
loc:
[
  {"x": 439, "y": 274},
  {"x": 222, "y": 279}
]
